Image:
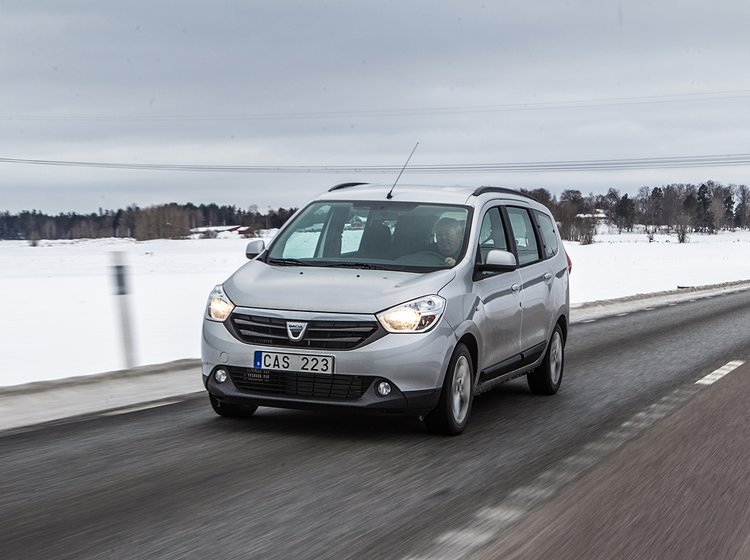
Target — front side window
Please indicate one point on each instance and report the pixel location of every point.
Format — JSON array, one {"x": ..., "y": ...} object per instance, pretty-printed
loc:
[
  {"x": 492, "y": 233},
  {"x": 523, "y": 233},
  {"x": 388, "y": 235}
]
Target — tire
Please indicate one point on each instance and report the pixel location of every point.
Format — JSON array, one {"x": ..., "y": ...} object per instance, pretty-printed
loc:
[
  {"x": 546, "y": 379},
  {"x": 231, "y": 410},
  {"x": 451, "y": 414}
]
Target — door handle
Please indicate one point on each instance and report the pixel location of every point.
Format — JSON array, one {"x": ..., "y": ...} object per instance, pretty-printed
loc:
[
  {"x": 548, "y": 277},
  {"x": 516, "y": 288}
]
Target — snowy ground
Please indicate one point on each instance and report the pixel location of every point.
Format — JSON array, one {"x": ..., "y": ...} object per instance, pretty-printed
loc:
[
  {"x": 61, "y": 317},
  {"x": 627, "y": 264}
]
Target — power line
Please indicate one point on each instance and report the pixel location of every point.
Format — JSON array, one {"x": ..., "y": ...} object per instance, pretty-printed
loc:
[
  {"x": 412, "y": 111},
  {"x": 675, "y": 162}
]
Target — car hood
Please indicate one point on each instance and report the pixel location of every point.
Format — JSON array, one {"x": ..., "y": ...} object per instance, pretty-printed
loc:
[{"x": 336, "y": 290}]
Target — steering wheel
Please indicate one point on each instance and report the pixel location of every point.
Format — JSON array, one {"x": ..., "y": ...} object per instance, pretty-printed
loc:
[{"x": 426, "y": 258}]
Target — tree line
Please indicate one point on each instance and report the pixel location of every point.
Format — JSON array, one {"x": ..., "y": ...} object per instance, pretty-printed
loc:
[
  {"x": 676, "y": 208},
  {"x": 169, "y": 221}
]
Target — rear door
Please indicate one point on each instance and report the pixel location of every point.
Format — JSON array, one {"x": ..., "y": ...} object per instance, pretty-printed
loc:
[{"x": 535, "y": 282}]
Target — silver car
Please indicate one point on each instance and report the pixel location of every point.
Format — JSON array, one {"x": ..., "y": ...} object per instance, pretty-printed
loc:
[{"x": 405, "y": 302}]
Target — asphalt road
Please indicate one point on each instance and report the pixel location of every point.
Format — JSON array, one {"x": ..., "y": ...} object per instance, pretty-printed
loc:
[
  {"x": 179, "y": 482},
  {"x": 679, "y": 491}
]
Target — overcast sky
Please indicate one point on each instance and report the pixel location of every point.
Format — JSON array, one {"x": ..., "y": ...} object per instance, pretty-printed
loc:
[{"x": 351, "y": 83}]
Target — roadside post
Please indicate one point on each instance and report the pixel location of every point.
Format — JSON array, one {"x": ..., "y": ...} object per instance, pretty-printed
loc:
[{"x": 122, "y": 295}]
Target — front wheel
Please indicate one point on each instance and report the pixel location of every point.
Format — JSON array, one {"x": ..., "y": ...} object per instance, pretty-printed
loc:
[
  {"x": 451, "y": 414},
  {"x": 231, "y": 410},
  {"x": 546, "y": 379}
]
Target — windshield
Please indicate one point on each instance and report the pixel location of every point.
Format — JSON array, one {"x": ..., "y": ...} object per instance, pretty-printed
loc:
[{"x": 387, "y": 235}]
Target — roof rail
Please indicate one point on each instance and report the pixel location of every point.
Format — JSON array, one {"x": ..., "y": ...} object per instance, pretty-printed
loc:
[
  {"x": 344, "y": 186},
  {"x": 503, "y": 190}
]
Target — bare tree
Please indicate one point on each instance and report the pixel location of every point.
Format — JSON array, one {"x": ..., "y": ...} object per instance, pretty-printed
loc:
[
  {"x": 672, "y": 200},
  {"x": 722, "y": 206}
]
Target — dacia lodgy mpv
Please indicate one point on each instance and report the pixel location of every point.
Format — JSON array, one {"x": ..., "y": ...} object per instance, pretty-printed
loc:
[{"x": 409, "y": 302}]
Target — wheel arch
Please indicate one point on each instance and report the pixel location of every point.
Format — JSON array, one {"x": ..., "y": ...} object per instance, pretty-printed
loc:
[
  {"x": 562, "y": 321},
  {"x": 471, "y": 344}
]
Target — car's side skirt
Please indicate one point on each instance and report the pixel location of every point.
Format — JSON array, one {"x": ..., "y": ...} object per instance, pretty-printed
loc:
[{"x": 509, "y": 369}]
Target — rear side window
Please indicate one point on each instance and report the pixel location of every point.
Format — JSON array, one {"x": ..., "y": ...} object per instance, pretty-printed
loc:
[
  {"x": 523, "y": 232},
  {"x": 549, "y": 237}
]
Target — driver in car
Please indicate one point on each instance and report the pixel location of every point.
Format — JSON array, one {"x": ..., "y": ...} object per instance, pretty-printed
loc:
[{"x": 449, "y": 234}]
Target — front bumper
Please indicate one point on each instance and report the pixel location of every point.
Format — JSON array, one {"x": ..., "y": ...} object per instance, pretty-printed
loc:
[{"x": 414, "y": 365}]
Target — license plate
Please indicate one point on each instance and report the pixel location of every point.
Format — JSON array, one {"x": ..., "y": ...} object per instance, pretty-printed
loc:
[{"x": 278, "y": 361}]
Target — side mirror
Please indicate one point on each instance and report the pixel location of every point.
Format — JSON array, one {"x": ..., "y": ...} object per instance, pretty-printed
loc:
[
  {"x": 499, "y": 261},
  {"x": 255, "y": 248}
]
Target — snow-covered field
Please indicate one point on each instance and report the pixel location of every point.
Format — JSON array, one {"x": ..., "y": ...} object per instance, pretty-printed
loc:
[
  {"x": 61, "y": 317},
  {"x": 627, "y": 264}
]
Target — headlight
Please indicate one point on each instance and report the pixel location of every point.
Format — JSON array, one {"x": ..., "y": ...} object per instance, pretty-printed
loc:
[
  {"x": 419, "y": 315},
  {"x": 219, "y": 305}
]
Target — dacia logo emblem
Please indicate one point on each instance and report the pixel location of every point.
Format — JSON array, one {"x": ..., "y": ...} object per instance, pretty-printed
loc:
[{"x": 295, "y": 330}]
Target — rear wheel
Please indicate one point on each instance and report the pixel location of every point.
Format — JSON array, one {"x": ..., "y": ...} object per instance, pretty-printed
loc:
[
  {"x": 451, "y": 414},
  {"x": 546, "y": 379},
  {"x": 231, "y": 410}
]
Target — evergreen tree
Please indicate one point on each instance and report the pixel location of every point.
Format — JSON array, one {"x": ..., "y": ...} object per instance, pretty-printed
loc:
[
  {"x": 625, "y": 213},
  {"x": 702, "y": 218},
  {"x": 743, "y": 205},
  {"x": 656, "y": 206}
]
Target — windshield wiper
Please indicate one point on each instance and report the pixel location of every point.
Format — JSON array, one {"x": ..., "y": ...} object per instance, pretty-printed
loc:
[
  {"x": 287, "y": 262},
  {"x": 364, "y": 265}
]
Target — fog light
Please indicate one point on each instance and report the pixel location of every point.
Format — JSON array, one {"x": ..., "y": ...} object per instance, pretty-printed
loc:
[
  {"x": 220, "y": 375},
  {"x": 384, "y": 388}
]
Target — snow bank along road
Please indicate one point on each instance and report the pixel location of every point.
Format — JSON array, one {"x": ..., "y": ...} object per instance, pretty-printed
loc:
[{"x": 175, "y": 481}]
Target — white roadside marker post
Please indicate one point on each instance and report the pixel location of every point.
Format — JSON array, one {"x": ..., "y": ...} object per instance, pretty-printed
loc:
[{"x": 122, "y": 295}]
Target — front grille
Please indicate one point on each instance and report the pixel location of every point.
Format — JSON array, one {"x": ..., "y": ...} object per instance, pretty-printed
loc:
[
  {"x": 295, "y": 384},
  {"x": 328, "y": 335}
]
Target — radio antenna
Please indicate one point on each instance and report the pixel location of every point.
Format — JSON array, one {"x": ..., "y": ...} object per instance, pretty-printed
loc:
[{"x": 389, "y": 195}]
